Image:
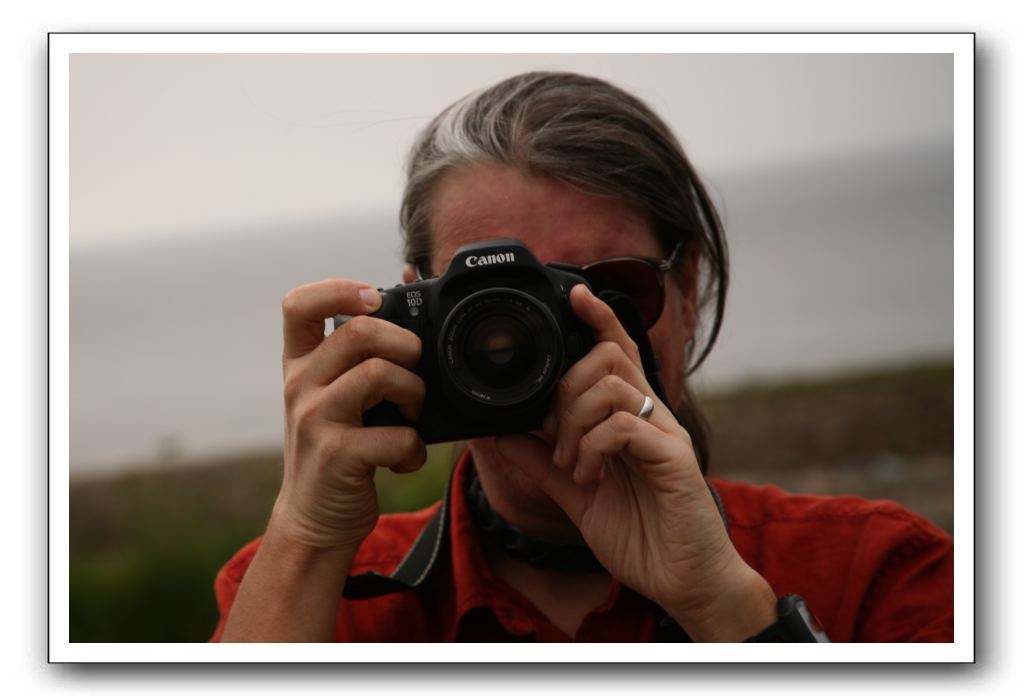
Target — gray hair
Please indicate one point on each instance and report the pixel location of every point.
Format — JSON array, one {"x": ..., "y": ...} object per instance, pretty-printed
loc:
[{"x": 596, "y": 137}]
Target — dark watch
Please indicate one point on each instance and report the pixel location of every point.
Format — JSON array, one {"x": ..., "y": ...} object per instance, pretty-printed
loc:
[{"x": 795, "y": 624}]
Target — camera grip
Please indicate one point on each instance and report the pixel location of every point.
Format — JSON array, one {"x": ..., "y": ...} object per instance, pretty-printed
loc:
[{"x": 384, "y": 413}]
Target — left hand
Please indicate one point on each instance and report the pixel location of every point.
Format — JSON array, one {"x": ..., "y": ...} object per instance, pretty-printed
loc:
[{"x": 634, "y": 489}]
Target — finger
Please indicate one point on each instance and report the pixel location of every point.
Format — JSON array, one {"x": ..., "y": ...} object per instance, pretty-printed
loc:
[
  {"x": 412, "y": 464},
  {"x": 609, "y": 395},
  {"x": 599, "y": 316},
  {"x": 606, "y": 358},
  {"x": 622, "y": 433},
  {"x": 307, "y": 307},
  {"x": 398, "y": 448},
  {"x": 369, "y": 383},
  {"x": 532, "y": 457},
  {"x": 357, "y": 340}
]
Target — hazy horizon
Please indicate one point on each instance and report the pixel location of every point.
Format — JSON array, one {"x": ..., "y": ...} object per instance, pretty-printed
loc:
[{"x": 175, "y": 341}]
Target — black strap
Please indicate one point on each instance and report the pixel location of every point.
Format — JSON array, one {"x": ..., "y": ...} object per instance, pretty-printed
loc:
[
  {"x": 415, "y": 567},
  {"x": 630, "y": 319},
  {"x": 417, "y": 564},
  {"x": 566, "y": 556}
]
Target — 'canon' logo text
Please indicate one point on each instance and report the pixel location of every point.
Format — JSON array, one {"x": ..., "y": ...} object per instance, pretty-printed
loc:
[{"x": 489, "y": 259}]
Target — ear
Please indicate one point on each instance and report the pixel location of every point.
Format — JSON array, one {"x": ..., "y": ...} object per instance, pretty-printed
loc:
[{"x": 408, "y": 274}]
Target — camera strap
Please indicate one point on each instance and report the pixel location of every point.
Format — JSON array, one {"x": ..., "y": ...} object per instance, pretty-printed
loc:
[
  {"x": 632, "y": 322},
  {"x": 421, "y": 558},
  {"x": 414, "y": 567}
]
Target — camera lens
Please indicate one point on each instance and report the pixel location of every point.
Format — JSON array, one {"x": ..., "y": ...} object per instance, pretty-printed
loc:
[
  {"x": 501, "y": 347},
  {"x": 499, "y": 351}
]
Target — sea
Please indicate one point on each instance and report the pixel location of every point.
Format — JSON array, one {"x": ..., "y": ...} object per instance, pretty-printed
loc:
[{"x": 175, "y": 339}]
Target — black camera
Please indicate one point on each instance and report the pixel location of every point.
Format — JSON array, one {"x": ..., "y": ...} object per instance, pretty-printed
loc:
[{"x": 498, "y": 333}]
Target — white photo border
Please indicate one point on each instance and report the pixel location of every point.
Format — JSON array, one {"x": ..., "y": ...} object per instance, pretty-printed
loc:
[{"x": 62, "y": 46}]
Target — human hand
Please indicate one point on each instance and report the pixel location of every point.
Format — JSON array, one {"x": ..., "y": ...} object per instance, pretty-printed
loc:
[
  {"x": 634, "y": 489},
  {"x": 327, "y": 499}
]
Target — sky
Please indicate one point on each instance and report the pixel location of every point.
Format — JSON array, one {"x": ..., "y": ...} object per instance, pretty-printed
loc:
[
  {"x": 205, "y": 186},
  {"x": 165, "y": 144}
]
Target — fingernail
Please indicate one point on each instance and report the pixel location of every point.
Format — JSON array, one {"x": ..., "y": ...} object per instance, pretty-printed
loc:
[
  {"x": 370, "y": 296},
  {"x": 557, "y": 454}
]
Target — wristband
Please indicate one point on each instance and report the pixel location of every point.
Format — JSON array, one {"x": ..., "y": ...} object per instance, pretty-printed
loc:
[{"x": 795, "y": 624}]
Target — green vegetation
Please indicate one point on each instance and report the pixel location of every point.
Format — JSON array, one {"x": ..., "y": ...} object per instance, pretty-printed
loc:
[{"x": 145, "y": 546}]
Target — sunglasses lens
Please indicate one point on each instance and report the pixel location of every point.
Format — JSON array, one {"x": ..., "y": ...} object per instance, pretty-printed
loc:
[{"x": 635, "y": 278}]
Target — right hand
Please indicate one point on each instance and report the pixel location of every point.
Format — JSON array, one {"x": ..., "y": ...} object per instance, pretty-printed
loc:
[{"x": 327, "y": 500}]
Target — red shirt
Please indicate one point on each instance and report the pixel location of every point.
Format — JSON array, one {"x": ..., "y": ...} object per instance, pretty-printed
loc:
[{"x": 869, "y": 570}]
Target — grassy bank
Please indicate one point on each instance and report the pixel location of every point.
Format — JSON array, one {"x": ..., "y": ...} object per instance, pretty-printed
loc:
[{"x": 146, "y": 545}]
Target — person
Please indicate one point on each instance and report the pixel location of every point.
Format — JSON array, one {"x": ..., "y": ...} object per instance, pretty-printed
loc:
[{"x": 580, "y": 171}]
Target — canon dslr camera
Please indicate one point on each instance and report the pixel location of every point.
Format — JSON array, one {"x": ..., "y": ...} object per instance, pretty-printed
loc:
[{"x": 498, "y": 333}]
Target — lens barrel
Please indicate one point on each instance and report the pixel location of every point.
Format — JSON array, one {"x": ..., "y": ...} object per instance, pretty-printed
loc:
[{"x": 501, "y": 347}]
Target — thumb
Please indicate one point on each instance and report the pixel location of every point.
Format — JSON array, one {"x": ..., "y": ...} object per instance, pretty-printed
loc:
[{"x": 534, "y": 459}]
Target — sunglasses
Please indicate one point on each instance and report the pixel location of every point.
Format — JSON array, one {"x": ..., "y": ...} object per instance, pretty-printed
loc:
[{"x": 639, "y": 277}]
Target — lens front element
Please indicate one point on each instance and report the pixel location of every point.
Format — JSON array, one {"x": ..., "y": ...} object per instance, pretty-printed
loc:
[
  {"x": 499, "y": 351},
  {"x": 501, "y": 347}
]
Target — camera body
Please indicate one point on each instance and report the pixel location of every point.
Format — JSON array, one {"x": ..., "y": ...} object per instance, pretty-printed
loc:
[{"x": 497, "y": 332}]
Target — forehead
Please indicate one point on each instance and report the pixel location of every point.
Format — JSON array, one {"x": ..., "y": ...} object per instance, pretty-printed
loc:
[{"x": 556, "y": 221}]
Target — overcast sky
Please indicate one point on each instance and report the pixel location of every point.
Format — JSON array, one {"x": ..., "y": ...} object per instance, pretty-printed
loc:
[
  {"x": 170, "y": 143},
  {"x": 247, "y": 175}
]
